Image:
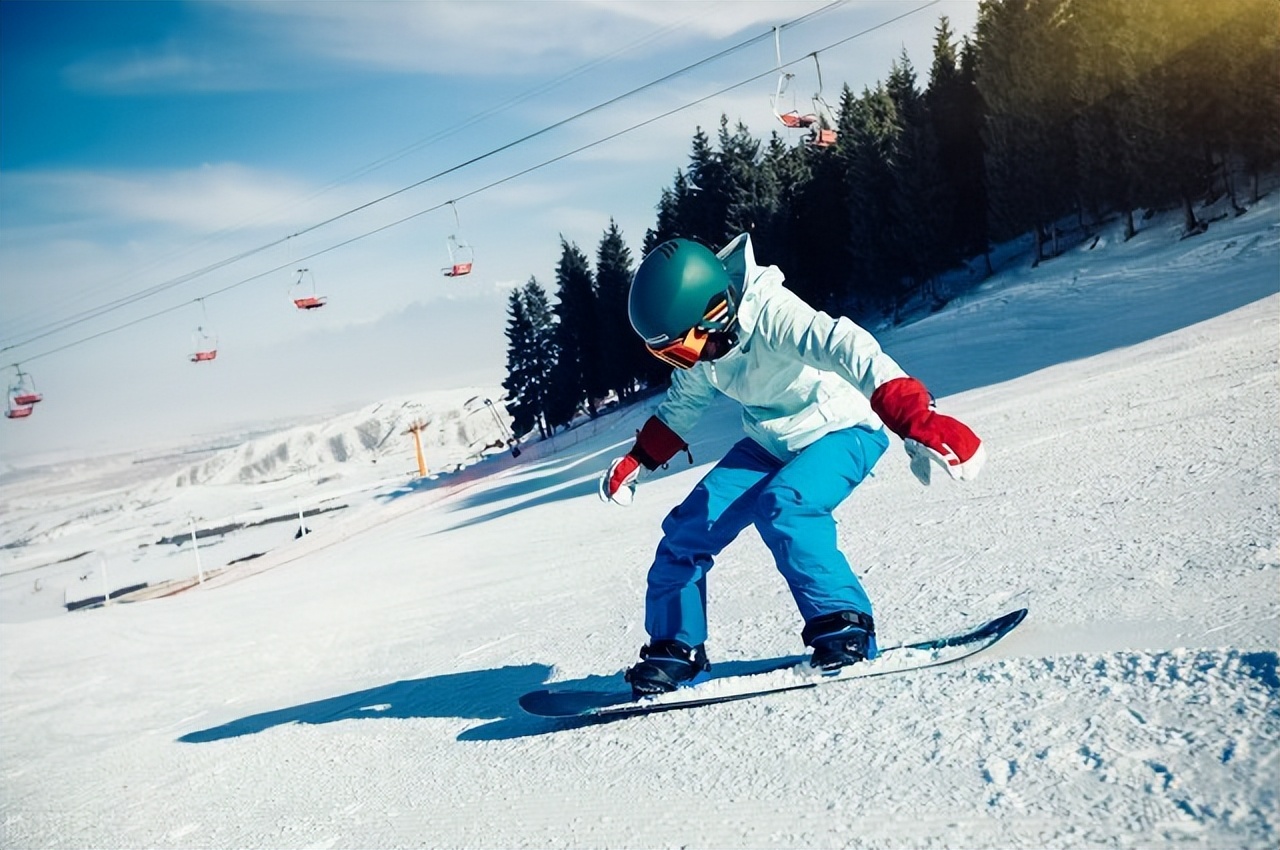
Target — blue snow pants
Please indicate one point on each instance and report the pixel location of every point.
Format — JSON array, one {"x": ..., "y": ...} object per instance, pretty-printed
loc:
[{"x": 790, "y": 504}]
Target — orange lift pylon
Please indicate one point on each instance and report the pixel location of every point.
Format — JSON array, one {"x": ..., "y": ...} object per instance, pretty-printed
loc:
[{"x": 416, "y": 430}]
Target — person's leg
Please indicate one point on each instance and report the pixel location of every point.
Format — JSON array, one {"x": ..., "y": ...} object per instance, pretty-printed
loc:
[
  {"x": 794, "y": 519},
  {"x": 710, "y": 517}
]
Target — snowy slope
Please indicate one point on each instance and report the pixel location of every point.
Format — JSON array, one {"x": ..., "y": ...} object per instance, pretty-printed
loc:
[
  {"x": 62, "y": 523},
  {"x": 361, "y": 693},
  {"x": 457, "y": 427}
]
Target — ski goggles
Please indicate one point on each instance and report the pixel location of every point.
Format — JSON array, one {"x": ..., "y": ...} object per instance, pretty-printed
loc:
[{"x": 683, "y": 353}]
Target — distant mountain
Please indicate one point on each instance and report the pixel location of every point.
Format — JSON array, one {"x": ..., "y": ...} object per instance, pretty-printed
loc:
[{"x": 459, "y": 428}]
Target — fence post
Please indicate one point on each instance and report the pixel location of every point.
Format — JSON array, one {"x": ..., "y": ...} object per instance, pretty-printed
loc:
[
  {"x": 106, "y": 586},
  {"x": 195, "y": 547}
]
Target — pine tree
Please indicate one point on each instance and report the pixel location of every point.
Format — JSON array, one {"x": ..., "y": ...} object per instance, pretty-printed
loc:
[
  {"x": 1103, "y": 87},
  {"x": 530, "y": 355},
  {"x": 943, "y": 102},
  {"x": 707, "y": 211},
  {"x": 1248, "y": 90},
  {"x": 675, "y": 212},
  {"x": 817, "y": 264},
  {"x": 577, "y": 376},
  {"x": 787, "y": 170},
  {"x": 1024, "y": 74},
  {"x": 537, "y": 307},
  {"x": 869, "y": 130},
  {"x": 752, "y": 192},
  {"x": 624, "y": 360},
  {"x": 973, "y": 203},
  {"x": 519, "y": 340},
  {"x": 919, "y": 202},
  {"x": 955, "y": 113}
]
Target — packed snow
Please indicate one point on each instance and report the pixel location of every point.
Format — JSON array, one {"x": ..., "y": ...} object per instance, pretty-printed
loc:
[{"x": 357, "y": 686}]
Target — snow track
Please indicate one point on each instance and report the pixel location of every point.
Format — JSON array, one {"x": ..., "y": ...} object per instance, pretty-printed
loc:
[{"x": 1119, "y": 749}]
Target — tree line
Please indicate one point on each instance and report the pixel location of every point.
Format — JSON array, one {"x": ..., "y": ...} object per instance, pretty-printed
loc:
[{"x": 1055, "y": 116}]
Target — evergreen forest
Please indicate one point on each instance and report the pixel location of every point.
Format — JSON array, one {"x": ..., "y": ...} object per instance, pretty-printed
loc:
[{"x": 1051, "y": 120}]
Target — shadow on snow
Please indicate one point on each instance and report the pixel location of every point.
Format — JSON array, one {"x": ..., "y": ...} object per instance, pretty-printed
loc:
[{"x": 480, "y": 694}]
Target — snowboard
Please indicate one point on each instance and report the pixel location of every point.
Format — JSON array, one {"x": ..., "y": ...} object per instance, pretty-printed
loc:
[{"x": 771, "y": 676}]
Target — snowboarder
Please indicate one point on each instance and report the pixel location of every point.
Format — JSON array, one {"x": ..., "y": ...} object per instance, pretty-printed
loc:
[{"x": 815, "y": 392}]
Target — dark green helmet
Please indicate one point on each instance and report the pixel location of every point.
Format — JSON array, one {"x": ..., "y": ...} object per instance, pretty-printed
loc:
[{"x": 677, "y": 285}]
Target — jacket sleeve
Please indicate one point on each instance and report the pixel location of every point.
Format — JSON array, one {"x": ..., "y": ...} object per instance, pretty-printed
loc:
[
  {"x": 831, "y": 344},
  {"x": 690, "y": 393}
]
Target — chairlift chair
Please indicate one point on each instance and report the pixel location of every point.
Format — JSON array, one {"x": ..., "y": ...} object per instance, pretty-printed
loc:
[
  {"x": 460, "y": 258},
  {"x": 820, "y": 122},
  {"x": 204, "y": 345},
  {"x": 301, "y": 299},
  {"x": 791, "y": 119},
  {"x": 204, "y": 342},
  {"x": 460, "y": 254},
  {"x": 23, "y": 392},
  {"x": 14, "y": 409},
  {"x": 823, "y": 133}
]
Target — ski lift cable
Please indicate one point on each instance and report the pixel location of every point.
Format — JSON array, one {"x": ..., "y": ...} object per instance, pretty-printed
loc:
[
  {"x": 126, "y": 301},
  {"x": 493, "y": 184},
  {"x": 668, "y": 113},
  {"x": 540, "y": 89},
  {"x": 486, "y": 187},
  {"x": 84, "y": 316},
  {"x": 562, "y": 122}
]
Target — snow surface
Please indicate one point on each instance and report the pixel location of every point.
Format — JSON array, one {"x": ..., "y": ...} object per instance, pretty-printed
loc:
[{"x": 357, "y": 687}]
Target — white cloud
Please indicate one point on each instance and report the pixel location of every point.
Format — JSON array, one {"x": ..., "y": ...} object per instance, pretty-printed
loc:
[
  {"x": 166, "y": 68},
  {"x": 483, "y": 37},
  {"x": 239, "y": 46},
  {"x": 206, "y": 199}
]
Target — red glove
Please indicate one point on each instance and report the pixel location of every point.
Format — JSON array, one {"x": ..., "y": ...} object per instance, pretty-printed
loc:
[
  {"x": 655, "y": 445},
  {"x": 907, "y": 408}
]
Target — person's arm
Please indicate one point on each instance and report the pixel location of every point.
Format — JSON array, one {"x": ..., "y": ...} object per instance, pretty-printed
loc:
[
  {"x": 902, "y": 402},
  {"x": 659, "y": 439}
]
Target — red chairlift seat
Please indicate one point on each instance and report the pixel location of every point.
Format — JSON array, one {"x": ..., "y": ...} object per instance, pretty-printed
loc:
[
  {"x": 795, "y": 121},
  {"x": 311, "y": 302},
  {"x": 457, "y": 270},
  {"x": 18, "y": 412},
  {"x": 822, "y": 137},
  {"x": 27, "y": 399},
  {"x": 204, "y": 356}
]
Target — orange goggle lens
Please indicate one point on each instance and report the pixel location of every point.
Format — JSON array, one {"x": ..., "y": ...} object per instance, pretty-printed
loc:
[{"x": 684, "y": 353}]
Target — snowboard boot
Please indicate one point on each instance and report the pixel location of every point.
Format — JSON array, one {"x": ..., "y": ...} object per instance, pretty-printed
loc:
[
  {"x": 667, "y": 665},
  {"x": 840, "y": 639}
]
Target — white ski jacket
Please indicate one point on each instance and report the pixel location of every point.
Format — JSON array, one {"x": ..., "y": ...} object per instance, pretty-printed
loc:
[{"x": 798, "y": 373}]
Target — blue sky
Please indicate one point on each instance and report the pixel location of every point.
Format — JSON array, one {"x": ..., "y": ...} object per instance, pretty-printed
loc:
[{"x": 141, "y": 143}]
